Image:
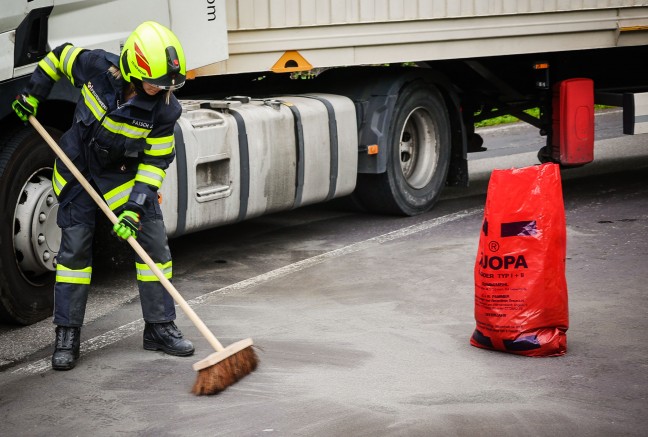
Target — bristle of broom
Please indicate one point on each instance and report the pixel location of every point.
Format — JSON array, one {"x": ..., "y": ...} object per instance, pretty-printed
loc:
[{"x": 218, "y": 377}]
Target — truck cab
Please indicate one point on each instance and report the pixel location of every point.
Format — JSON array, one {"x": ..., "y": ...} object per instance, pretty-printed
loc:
[{"x": 29, "y": 29}]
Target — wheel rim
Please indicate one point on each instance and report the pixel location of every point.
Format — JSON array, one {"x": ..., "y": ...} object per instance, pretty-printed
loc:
[
  {"x": 418, "y": 148},
  {"x": 37, "y": 237}
]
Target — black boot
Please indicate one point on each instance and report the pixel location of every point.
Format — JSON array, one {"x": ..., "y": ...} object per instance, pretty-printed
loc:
[
  {"x": 168, "y": 338},
  {"x": 66, "y": 348}
]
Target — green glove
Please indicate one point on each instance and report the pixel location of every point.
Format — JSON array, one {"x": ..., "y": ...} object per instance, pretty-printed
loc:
[
  {"x": 24, "y": 106},
  {"x": 128, "y": 225}
]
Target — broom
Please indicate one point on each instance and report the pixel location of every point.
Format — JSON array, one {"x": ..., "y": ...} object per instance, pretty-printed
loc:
[{"x": 220, "y": 369}]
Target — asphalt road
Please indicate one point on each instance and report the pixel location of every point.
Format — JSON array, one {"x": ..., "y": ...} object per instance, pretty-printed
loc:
[{"x": 363, "y": 325}]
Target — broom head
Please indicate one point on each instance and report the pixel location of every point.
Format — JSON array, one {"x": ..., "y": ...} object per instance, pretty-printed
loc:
[{"x": 222, "y": 369}]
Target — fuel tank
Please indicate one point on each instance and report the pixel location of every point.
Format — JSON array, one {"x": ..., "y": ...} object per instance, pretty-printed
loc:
[{"x": 242, "y": 158}]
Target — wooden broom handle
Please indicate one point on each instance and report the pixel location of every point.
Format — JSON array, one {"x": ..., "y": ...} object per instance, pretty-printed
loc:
[{"x": 134, "y": 244}]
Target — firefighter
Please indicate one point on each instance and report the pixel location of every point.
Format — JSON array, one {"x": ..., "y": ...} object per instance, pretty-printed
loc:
[{"x": 122, "y": 140}]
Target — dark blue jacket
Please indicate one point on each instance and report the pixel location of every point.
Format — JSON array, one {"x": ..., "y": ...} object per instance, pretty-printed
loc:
[{"x": 124, "y": 147}]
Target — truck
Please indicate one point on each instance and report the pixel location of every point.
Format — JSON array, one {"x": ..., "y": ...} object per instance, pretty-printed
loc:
[{"x": 295, "y": 102}]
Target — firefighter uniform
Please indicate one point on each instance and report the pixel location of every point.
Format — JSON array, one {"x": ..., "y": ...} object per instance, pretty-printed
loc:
[{"x": 123, "y": 148}]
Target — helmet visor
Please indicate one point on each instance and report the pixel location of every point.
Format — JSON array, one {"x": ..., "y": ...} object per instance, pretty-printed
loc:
[
  {"x": 172, "y": 87},
  {"x": 166, "y": 83}
]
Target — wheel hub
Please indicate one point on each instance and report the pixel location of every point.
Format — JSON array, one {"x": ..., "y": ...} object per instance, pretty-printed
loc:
[
  {"x": 37, "y": 237},
  {"x": 418, "y": 149}
]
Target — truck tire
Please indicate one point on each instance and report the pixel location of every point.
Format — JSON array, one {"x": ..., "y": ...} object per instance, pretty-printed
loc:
[
  {"x": 29, "y": 236},
  {"x": 419, "y": 155}
]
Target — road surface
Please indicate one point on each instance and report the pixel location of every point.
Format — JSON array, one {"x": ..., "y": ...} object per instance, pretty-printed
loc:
[{"x": 362, "y": 324}]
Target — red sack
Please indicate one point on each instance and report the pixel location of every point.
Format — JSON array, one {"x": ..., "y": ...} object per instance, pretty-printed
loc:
[{"x": 520, "y": 286}]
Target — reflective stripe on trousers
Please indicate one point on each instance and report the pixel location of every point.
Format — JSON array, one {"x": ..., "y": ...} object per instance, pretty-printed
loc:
[{"x": 77, "y": 221}]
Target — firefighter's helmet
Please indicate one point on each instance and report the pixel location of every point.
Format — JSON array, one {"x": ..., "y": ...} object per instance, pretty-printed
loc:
[{"x": 153, "y": 54}]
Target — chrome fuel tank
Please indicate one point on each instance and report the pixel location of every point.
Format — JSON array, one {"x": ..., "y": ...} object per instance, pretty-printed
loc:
[{"x": 238, "y": 159}]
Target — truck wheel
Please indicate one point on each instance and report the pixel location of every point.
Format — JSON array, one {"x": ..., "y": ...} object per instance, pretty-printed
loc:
[
  {"x": 29, "y": 236},
  {"x": 418, "y": 161}
]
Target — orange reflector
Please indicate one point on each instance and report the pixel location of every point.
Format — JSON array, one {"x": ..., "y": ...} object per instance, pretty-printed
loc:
[
  {"x": 372, "y": 149},
  {"x": 541, "y": 66},
  {"x": 291, "y": 61}
]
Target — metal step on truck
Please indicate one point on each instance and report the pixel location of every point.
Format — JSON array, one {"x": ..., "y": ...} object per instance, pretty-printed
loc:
[{"x": 295, "y": 102}]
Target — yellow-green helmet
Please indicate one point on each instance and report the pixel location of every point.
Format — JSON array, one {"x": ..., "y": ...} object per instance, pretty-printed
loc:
[{"x": 153, "y": 54}]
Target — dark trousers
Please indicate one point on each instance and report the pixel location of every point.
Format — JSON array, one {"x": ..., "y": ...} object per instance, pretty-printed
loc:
[{"x": 76, "y": 218}]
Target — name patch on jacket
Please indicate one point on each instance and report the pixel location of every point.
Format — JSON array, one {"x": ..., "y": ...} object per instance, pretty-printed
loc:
[{"x": 143, "y": 124}]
